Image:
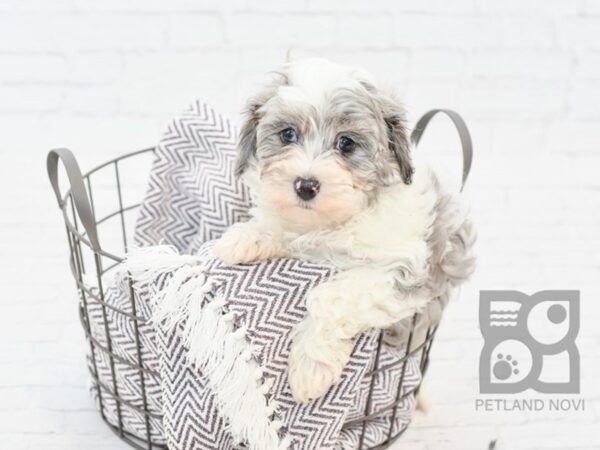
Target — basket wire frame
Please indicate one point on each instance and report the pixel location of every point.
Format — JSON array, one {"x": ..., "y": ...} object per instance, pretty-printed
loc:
[{"x": 79, "y": 239}]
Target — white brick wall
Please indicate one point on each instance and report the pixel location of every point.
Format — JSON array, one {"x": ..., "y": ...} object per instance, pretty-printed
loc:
[{"x": 102, "y": 76}]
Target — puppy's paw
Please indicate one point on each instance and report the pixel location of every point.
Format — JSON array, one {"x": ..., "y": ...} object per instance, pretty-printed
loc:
[
  {"x": 309, "y": 378},
  {"x": 246, "y": 243},
  {"x": 315, "y": 364}
]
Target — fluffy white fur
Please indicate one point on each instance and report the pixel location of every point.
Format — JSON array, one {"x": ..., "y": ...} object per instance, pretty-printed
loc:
[{"x": 397, "y": 239}]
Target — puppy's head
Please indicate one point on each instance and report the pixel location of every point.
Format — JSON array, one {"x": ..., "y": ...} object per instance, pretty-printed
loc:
[{"x": 318, "y": 144}]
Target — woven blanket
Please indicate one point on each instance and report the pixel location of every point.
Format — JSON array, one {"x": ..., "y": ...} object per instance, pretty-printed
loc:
[{"x": 222, "y": 334}]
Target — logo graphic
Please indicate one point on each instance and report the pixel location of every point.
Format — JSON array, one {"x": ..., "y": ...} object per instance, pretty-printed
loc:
[{"x": 529, "y": 342}]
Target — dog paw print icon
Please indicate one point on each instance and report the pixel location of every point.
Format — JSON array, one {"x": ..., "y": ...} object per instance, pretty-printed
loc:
[{"x": 529, "y": 342}]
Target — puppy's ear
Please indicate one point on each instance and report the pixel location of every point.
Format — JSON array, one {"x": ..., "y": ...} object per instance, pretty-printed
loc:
[
  {"x": 398, "y": 140},
  {"x": 247, "y": 138}
]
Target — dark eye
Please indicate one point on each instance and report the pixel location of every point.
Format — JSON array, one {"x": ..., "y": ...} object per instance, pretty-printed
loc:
[
  {"x": 345, "y": 145},
  {"x": 289, "y": 136}
]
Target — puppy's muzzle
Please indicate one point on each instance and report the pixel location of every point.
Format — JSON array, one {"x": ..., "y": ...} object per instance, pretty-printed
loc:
[{"x": 307, "y": 188}]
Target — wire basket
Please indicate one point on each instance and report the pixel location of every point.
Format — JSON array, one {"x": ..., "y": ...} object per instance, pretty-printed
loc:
[{"x": 90, "y": 263}]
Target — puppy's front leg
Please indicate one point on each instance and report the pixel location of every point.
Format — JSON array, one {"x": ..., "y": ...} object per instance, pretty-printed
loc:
[
  {"x": 338, "y": 310},
  {"x": 247, "y": 242}
]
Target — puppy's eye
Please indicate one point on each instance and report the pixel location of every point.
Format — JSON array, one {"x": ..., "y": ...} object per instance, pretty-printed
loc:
[
  {"x": 345, "y": 145},
  {"x": 289, "y": 136}
]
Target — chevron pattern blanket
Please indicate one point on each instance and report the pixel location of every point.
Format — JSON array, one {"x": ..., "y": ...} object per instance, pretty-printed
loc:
[{"x": 215, "y": 363}]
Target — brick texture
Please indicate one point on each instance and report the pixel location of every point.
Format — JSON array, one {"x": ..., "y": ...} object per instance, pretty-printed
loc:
[{"x": 102, "y": 77}]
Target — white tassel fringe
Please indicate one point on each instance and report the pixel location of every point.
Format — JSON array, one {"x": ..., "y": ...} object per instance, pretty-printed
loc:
[{"x": 223, "y": 354}]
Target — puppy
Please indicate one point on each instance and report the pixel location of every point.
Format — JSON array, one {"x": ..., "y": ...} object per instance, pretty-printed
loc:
[{"x": 326, "y": 156}]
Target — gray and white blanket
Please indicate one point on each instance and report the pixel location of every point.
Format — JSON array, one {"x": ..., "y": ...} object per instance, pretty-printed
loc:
[{"x": 215, "y": 358}]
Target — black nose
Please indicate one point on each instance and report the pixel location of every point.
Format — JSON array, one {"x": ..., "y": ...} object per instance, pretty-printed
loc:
[{"x": 306, "y": 188}]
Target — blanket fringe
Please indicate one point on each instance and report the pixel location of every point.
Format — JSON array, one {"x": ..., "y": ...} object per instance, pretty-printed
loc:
[{"x": 215, "y": 346}]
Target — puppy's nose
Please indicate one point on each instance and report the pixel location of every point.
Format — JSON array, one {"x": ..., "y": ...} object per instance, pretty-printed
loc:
[{"x": 307, "y": 188}]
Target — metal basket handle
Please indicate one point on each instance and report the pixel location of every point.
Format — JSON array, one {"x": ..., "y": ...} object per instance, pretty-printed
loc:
[
  {"x": 78, "y": 191},
  {"x": 463, "y": 133}
]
